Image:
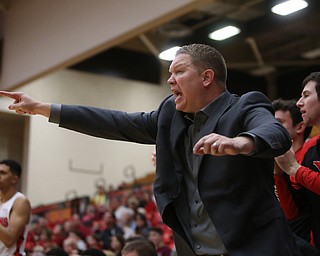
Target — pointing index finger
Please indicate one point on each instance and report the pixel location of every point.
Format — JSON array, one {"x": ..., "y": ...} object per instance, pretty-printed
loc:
[{"x": 12, "y": 95}]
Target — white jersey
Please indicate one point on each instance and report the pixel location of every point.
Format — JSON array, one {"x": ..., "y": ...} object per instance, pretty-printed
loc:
[{"x": 18, "y": 248}]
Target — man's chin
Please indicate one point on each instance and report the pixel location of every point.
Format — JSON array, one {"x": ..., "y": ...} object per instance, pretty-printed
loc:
[
  {"x": 178, "y": 107},
  {"x": 306, "y": 120}
]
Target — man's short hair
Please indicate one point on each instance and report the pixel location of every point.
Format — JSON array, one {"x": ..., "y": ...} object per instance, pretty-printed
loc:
[
  {"x": 93, "y": 252},
  {"x": 141, "y": 246},
  {"x": 14, "y": 166},
  {"x": 314, "y": 76},
  {"x": 57, "y": 252},
  {"x": 157, "y": 230},
  {"x": 207, "y": 57},
  {"x": 295, "y": 114}
]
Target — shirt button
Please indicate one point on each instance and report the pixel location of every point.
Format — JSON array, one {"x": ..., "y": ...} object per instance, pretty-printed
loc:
[{"x": 198, "y": 246}]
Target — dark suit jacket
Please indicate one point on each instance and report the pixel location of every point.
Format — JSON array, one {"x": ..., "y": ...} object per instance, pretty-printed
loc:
[{"x": 237, "y": 191}]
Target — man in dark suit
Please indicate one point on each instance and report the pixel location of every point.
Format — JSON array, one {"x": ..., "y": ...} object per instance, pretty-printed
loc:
[{"x": 214, "y": 184}]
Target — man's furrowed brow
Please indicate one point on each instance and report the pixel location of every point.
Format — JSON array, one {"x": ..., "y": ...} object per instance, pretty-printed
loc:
[{"x": 179, "y": 65}]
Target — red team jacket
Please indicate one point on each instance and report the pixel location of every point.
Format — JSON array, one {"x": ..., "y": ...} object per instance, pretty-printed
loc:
[{"x": 303, "y": 194}]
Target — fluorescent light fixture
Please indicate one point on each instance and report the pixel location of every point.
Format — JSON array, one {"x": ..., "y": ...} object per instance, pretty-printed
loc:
[
  {"x": 169, "y": 54},
  {"x": 289, "y": 7},
  {"x": 312, "y": 54},
  {"x": 224, "y": 33}
]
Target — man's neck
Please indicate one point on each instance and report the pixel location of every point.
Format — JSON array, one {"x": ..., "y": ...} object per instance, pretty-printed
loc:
[
  {"x": 6, "y": 195},
  {"x": 297, "y": 144}
]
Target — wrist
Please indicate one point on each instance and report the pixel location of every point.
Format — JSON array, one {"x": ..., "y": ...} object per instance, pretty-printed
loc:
[
  {"x": 43, "y": 109},
  {"x": 247, "y": 145},
  {"x": 294, "y": 169}
]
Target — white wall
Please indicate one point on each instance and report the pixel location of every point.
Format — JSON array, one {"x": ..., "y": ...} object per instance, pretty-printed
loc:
[
  {"x": 50, "y": 148},
  {"x": 43, "y": 36}
]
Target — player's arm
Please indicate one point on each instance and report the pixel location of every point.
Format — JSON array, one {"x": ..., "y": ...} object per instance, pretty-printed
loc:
[{"x": 19, "y": 218}]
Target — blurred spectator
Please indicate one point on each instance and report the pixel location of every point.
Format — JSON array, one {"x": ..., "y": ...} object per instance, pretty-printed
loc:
[
  {"x": 90, "y": 216},
  {"x": 142, "y": 225},
  {"x": 57, "y": 252},
  {"x": 139, "y": 247},
  {"x": 70, "y": 245},
  {"x": 127, "y": 223},
  {"x": 77, "y": 225},
  {"x": 100, "y": 198},
  {"x": 92, "y": 226},
  {"x": 133, "y": 203},
  {"x": 117, "y": 244},
  {"x": 151, "y": 209},
  {"x": 58, "y": 235},
  {"x": 156, "y": 237},
  {"x": 80, "y": 243},
  {"x": 45, "y": 237},
  {"x": 111, "y": 228},
  {"x": 93, "y": 241},
  {"x": 124, "y": 212},
  {"x": 38, "y": 250},
  {"x": 93, "y": 252}
]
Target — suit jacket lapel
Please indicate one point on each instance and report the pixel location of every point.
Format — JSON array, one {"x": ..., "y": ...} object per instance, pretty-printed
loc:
[
  {"x": 178, "y": 126},
  {"x": 221, "y": 105}
]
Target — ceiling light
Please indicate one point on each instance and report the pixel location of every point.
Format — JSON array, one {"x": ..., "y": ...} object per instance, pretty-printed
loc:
[
  {"x": 312, "y": 54},
  {"x": 224, "y": 33},
  {"x": 289, "y": 7},
  {"x": 169, "y": 54}
]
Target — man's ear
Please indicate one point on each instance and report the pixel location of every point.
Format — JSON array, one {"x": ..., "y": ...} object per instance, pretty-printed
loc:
[
  {"x": 15, "y": 179},
  {"x": 207, "y": 77},
  {"x": 300, "y": 127}
]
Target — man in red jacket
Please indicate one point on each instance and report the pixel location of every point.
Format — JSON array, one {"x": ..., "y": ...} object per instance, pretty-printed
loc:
[
  {"x": 290, "y": 193},
  {"x": 306, "y": 171}
]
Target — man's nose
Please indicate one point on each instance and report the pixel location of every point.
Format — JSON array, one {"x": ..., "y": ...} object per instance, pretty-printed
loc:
[
  {"x": 299, "y": 103},
  {"x": 171, "y": 80}
]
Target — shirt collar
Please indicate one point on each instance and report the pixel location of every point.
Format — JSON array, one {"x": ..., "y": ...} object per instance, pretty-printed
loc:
[{"x": 207, "y": 110}]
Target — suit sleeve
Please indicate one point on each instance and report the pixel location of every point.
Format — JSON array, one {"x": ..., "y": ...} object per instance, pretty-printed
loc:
[
  {"x": 257, "y": 115},
  {"x": 139, "y": 127}
]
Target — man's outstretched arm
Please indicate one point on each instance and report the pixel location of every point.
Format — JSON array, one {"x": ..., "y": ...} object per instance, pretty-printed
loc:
[{"x": 24, "y": 104}]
